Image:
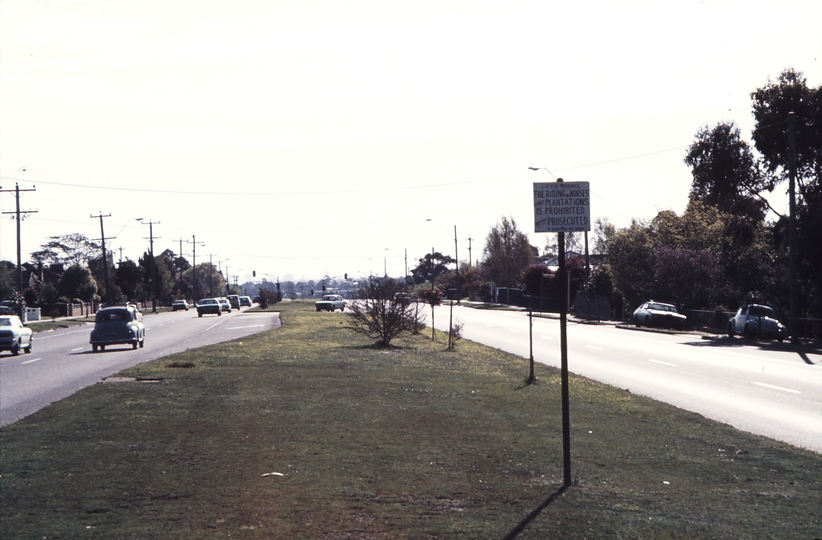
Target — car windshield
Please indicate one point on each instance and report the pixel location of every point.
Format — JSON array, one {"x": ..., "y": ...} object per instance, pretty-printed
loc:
[
  {"x": 5, "y": 321},
  {"x": 208, "y": 301},
  {"x": 761, "y": 311},
  {"x": 662, "y": 307}
]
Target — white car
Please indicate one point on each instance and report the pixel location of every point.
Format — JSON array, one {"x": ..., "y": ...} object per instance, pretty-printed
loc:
[
  {"x": 330, "y": 302},
  {"x": 14, "y": 336},
  {"x": 658, "y": 314},
  {"x": 756, "y": 320}
]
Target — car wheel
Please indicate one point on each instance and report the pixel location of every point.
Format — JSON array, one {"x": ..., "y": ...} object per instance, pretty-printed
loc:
[
  {"x": 94, "y": 348},
  {"x": 731, "y": 330},
  {"x": 219, "y": 313},
  {"x": 199, "y": 314},
  {"x": 636, "y": 321},
  {"x": 134, "y": 345},
  {"x": 746, "y": 332},
  {"x": 27, "y": 349},
  {"x": 16, "y": 349},
  {"x": 102, "y": 347}
]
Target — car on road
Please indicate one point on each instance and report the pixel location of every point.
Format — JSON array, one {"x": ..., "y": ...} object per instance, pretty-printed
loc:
[
  {"x": 756, "y": 320},
  {"x": 330, "y": 302},
  {"x": 234, "y": 300},
  {"x": 402, "y": 298},
  {"x": 245, "y": 301},
  {"x": 14, "y": 335},
  {"x": 209, "y": 306},
  {"x": 658, "y": 314},
  {"x": 117, "y": 325},
  {"x": 178, "y": 305},
  {"x": 226, "y": 305}
]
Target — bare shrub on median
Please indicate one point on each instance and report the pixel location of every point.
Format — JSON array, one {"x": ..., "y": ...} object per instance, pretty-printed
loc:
[{"x": 375, "y": 313}]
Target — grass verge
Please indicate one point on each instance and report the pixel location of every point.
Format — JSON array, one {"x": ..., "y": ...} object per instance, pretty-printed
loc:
[{"x": 411, "y": 442}]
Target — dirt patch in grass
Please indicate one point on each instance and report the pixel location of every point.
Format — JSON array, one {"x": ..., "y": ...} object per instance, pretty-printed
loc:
[{"x": 310, "y": 432}]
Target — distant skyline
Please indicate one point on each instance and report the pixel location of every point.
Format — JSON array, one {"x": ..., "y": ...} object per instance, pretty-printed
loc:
[{"x": 318, "y": 137}]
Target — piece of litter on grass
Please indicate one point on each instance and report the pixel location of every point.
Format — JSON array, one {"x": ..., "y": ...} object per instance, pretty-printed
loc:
[
  {"x": 666, "y": 482},
  {"x": 273, "y": 474}
]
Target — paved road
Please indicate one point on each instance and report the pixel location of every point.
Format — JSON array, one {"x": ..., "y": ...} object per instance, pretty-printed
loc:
[
  {"x": 768, "y": 389},
  {"x": 62, "y": 362}
]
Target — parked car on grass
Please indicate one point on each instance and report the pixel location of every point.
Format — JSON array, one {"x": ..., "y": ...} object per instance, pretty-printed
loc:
[
  {"x": 330, "y": 302},
  {"x": 658, "y": 314},
  {"x": 14, "y": 335},
  {"x": 756, "y": 320},
  {"x": 178, "y": 305},
  {"x": 117, "y": 325},
  {"x": 209, "y": 305},
  {"x": 402, "y": 298}
]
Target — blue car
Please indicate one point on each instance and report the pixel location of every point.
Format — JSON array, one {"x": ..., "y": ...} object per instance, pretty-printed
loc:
[{"x": 118, "y": 325}]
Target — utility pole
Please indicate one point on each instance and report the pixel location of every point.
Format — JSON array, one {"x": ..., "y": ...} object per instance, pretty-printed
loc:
[
  {"x": 792, "y": 229},
  {"x": 457, "y": 255},
  {"x": 18, "y": 218},
  {"x": 105, "y": 257},
  {"x": 180, "y": 255},
  {"x": 193, "y": 242},
  {"x": 469, "y": 253},
  {"x": 153, "y": 264}
]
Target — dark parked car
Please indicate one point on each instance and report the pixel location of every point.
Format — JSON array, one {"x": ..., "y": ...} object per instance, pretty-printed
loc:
[
  {"x": 658, "y": 314},
  {"x": 117, "y": 325},
  {"x": 14, "y": 336},
  {"x": 178, "y": 305},
  {"x": 756, "y": 320},
  {"x": 209, "y": 305}
]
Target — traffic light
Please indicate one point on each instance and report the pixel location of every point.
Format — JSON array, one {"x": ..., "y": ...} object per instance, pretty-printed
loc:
[
  {"x": 346, "y": 275},
  {"x": 253, "y": 273}
]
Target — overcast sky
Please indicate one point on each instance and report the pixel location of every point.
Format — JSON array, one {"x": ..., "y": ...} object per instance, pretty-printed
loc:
[{"x": 300, "y": 139}]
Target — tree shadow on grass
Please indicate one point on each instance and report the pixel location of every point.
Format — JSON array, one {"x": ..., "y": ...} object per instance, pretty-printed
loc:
[{"x": 533, "y": 515}]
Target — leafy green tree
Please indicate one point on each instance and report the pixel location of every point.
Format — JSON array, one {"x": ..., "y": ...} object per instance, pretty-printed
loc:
[
  {"x": 98, "y": 268},
  {"x": 534, "y": 280},
  {"x": 507, "y": 253},
  {"x": 602, "y": 234},
  {"x": 129, "y": 278},
  {"x": 8, "y": 277},
  {"x": 724, "y": 172},
  {"x": 631, "y": 260},
  {"x": 430, "y": 267},
  {"x": 686, "y": 276},
  {"x": 68, "y": 249},
  {"x": 771, "y": 105},
  {"x": 77, "y": 282}
]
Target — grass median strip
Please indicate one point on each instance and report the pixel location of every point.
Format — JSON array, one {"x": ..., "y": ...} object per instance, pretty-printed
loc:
[{"x": 309, "y": 431}]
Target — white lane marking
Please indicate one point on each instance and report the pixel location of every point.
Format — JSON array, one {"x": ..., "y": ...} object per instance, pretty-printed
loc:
[
  {"x": 78, "y": 349},
  {"x": 777, "y": 388},
  {"x": 595, "y": 348},
  {"x": 246, "y": 326},
  {"x": 661, "y": 362},
  {"x": 30, "y": 361}
]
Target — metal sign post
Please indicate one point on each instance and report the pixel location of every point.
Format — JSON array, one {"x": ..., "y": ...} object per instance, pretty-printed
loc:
[{"x": 563, "y": 207}]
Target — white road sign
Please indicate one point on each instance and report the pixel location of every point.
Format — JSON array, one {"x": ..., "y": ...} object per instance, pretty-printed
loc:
[{"x": 562, "y": 207}]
